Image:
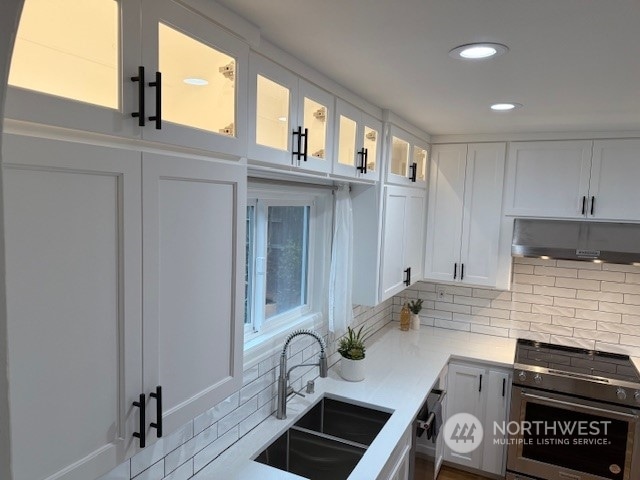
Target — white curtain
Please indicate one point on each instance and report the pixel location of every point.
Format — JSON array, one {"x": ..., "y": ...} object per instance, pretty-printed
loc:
[{"x": 340, "y": 275}]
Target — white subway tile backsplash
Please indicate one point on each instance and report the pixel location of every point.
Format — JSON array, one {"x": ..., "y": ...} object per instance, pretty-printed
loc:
[
  {"x": 521, "y": 289},
  {"x": 531, "y": 317},
  {"x": 572, "y": 341},
  {"x": 214, "y": 414},
  {"x": 602, "y": 275},
  {"x": 522, "y": 278},
  {"x": 155, "y": 472},
  {"x": 491, "y": 294},
  {"x": 463, "y": 317},
  {"x": 452, "y": 307},
  {"x": 535, "y": 261},
  {"x": 183, "y": 472},
  {"x": 437, "y": 314},
  {"x": 474, "y": 301},
  {"x": 513, "y": 306},
  {"x": 239, "y": 414},
  {"x": 529, "y": 298},
  {"x": 599, "y": 316},
  {"x": 552, "y": 329},
  {"x": 621, "y": 287},
  {"x": 554, "y": 291},
  {"x": 630, "y": 340},
  {"x": 631, "y": 299},
  {"x": 600, "y": 296},
  {"x": 521, "y": 268},
  {"x": 256, "y": 417},
  {"x": 514, "y": 324},
  {"x": 579, "y": 265},
  {"x": 157, "y": 450},
  {"x": 599, "y": 335},
  {"x": 573, "y": 322},
  {"x": 553, "y": 310},
  {"x": 619, "y": 308},
  {"x": 623, "y": 328},
  {"x": 633, "y": 278},
  {"x": 259, "y": 384},
  {"x": 453, "y": 290},
  {"x": 208, "y": 454},
  {"x": 631, "y": 319},
  {"x": 620, "y": 268},
  {"x": 576, "y": 303},
  {"x": 536, "y": 336},
  {"x": 490, "y": 312},
  {"x": 618, "y": 348},
  {"x": 556, "y": 272},
  {"x": 577, "y": 283},
  {"x": 451, "y": 325},
  {"x": 486, "y": 330}
]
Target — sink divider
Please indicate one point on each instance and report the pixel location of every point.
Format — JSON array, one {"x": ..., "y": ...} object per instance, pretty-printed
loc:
[{"x": 329, "y": 437}]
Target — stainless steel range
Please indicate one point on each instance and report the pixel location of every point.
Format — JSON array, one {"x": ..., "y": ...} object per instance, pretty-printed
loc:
[{"x": 574, "y": 415}]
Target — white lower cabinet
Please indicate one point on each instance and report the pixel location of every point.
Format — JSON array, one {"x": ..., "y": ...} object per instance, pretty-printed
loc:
[
  {"x": 483, "y": 392},
  {"x": 81, "y": 351},
  {"x": 402, "y": 239},
  {"x": 397, "y": 467}
]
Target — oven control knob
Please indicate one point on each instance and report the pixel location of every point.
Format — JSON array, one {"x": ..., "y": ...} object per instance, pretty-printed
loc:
[
  {"x": 522, "y": 376},
  {"x": 621, "y": 394},
  {"x": 538, "y": 378}
]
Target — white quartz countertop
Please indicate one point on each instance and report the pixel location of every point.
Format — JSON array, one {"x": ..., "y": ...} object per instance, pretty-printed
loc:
[{"x": 400, "y": 371}]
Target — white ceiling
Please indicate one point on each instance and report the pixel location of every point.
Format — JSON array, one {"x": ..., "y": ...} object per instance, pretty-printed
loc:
[{"x": 573, "y": 64}]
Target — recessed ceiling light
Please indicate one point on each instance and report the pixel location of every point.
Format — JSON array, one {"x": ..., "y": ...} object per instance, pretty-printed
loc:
[
  {"x": 198, "y": 82},
  {"x": 545, "y": 257},
  {"x": 478, "y": 51},
  {"x": 505, "y": 107},
  {"x": 282, "y": 119}
]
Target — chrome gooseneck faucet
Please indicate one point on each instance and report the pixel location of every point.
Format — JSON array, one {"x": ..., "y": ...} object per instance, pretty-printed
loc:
[{"x": 284, "y": 390}]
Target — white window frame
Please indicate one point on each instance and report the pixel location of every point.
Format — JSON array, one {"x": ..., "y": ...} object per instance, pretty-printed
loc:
[{"x": 310, "y": 315}]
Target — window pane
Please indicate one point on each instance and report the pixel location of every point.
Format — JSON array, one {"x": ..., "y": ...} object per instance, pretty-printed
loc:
[
  {"x": 272, "y": 114},
  {"x": 288, "y": 231},
  {"x": 69, "y": 48},
  {"x": 248, "y": 273},
  {"x": 399, "y": 156},
  {"x": 198, "y": 83}
]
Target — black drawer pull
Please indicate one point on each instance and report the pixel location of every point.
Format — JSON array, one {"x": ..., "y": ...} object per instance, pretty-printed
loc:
[
  {"x": 158, "y": 86},
  {"x": 462, "y": 271},
  {"x": 584, "y": 204},
  {"x": 301, "y": 151},
  {"x": 504, "y": 386},
  {"x": 480, "y": 388},
  {"x": 455, "y": 271},
  {"x": 362, "y": 153},
  {"x": 141, "y": 404},
  {"x": 158, "y": 423},
  {"x": 140, "y": 113},
  {"x": 366, "y": 159},
  {"x": 413, "y": 168},
  {"x": 593, "y": 205}
]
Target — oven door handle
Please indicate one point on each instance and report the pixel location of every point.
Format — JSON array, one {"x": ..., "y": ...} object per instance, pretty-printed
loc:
[{"x": 577, "y": 406}]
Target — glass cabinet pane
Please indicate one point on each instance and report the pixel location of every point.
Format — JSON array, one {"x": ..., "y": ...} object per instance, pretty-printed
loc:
[
  {"x": 347, "y": 141},
  {"x": 399, "y": 156},
  {"x": 198, "y": 83},
  {"x": 69, "y": 48},
  {"x": 315, "y": 119},
  {"x": 371, "y": 144},
  {"x": 420, "y": 159},
  {"x": 272, "y": 114}
]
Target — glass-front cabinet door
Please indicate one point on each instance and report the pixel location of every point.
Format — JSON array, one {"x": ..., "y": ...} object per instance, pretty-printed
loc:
[
  {"x": 408, "y": 158},
  {"x": 195, "y": 75},
  {"x": 87, "y": 65},
  {"x": 68, "y": 62},
  {"x": 357, "y": 143},
  {"x": 290, "y": 120}
]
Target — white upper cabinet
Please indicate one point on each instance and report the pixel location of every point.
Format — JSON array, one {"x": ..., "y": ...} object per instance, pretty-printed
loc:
[
  {"x": 74, "y": 312},
  {"x": 548, "y": 179},
  {"x": 290, "y": 120},
  {"x": 613, "y": 188},
  {"x": 574, "y": 179},
  {"x": 465, "y": 199},
  {"x": 407, "y": 158},
  {"x": 196, "y": 79},
  {"x": 402, "y": 239},
  {"x": 357, "y": 143},
  {"x": 147, "y": 68}
]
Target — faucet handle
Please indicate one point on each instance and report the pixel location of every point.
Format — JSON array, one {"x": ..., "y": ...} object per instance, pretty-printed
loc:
[{"x": 291, "y": 391}]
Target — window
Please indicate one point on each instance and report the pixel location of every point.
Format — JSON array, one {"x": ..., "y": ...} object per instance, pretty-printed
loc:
[{"x": 286, "y": 253}]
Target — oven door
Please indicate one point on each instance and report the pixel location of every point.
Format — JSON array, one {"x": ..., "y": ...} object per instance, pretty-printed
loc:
[{"x": 559, "y": 437}]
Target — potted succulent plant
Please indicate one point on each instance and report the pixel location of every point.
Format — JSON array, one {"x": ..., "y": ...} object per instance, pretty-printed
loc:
[
  {"x": 415, "y": 306},
  {"x": 352, "y": 349}
]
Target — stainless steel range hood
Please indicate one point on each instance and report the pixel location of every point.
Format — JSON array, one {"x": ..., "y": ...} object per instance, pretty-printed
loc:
[{"x": 577, "y": 240}]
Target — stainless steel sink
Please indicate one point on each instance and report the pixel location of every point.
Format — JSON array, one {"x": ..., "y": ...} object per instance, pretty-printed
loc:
[
  {"x": 327, "y": 442},
  {"x": 344, "y": 420}
]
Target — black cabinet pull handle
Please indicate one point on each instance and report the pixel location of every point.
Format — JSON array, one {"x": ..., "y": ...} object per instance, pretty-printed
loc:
[
  {"x": 362, "y": 167},
  {"x": 462, "y": 271},
  {"x": 301, "y": 151},
  {"x": 158, "y": 86},
  {"x": 504, "y": 386},
  {"x": 158, "y": 423},
  {"x": 584, "y": 204},
  {"x": 455, "y": 271},
  {"x": 593, "y": 204},
  {"x": 141, "y": 404},
  {"x": 414, "y": 171},
  {"x": 407, "y": 279},
  {"x": 480, "y": 388},
  {"x": 141, "y": 83},
  {"x": 366, "y": 159}
]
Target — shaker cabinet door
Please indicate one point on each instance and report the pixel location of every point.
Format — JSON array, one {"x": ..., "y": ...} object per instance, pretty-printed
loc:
[
  {"x": 194, "y": 220},
  {"x": 73, "y": 281}
]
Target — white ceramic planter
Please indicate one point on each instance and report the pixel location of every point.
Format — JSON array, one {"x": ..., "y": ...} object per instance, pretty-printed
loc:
[
  {"x": 415, "y": 321},
  {"x": 352, "y": 370}
]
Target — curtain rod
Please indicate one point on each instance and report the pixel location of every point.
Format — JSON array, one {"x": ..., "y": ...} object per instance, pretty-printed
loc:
[{"x": 269, "y": 181}]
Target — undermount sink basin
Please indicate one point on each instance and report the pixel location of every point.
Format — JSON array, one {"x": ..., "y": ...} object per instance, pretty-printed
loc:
[{"x": 327, "y": 442}]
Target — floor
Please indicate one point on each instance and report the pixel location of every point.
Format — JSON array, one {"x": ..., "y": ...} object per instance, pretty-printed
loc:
[{"x": 446, "y": 473}]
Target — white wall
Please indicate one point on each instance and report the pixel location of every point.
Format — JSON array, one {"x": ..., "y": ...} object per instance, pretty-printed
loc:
[
  {"x": 9, "y": 14},
  {"x": 594, "y": 306}
]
